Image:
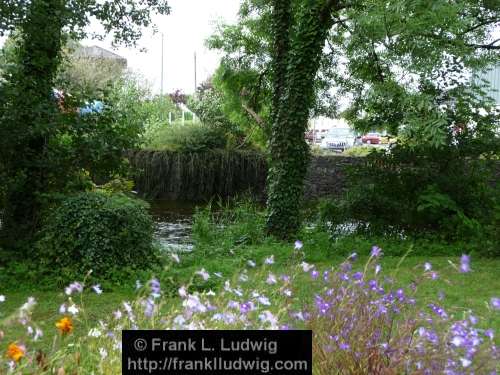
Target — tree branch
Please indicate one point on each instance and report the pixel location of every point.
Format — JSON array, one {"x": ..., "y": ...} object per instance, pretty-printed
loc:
[
  {"x": 259, "y": 120},
  {"x": 490, "y": 46},
  {"x": 481, "y": 24}
]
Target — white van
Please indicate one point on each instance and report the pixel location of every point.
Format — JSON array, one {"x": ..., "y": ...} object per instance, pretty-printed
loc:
[{"x": 339, "y": 139}]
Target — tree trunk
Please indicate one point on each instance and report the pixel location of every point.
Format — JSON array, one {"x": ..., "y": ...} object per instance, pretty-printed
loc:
[
  {"x": 295, "y": 65},
  {"x": 28, "y": 118}
]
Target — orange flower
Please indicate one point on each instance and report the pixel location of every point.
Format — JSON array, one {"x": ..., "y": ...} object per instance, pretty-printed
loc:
[
  {"x": 65, "y": 325},
  {"x": 15, "y": 352}
]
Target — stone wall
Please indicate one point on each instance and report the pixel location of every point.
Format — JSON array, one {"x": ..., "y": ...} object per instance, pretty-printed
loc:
[
  {"x": 200, "y": 177},
  {"x": 327, "y": 175}
]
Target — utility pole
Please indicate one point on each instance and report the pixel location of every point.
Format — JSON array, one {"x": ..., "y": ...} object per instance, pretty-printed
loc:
[
  {"x": 161, "y": 84},
  {"x": 195, "y": 78}
]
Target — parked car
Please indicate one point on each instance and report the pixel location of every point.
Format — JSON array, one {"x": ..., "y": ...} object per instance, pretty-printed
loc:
[
  {"x": 371, "y": 139},
  {"x": 339, "y": 139},
  {"x": 387, "y": 139}
]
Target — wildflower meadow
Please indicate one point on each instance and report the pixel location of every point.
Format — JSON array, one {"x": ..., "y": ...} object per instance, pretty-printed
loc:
[{"x": 363, "y": 320}]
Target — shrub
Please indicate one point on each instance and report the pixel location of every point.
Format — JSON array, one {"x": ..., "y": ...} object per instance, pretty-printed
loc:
[
  {"x": 187, "y": 138},
  {"x": 99, "y": 232},
  {"x": 359, "y": 151},
  {"x": 415, "y": 190}
]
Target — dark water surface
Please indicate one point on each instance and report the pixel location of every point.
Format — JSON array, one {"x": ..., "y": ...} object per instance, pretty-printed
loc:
[{"x": 173, "y": 224}]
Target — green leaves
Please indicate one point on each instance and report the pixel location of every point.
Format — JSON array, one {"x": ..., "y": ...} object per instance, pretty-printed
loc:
[
  {"x": 99, "y": 232},
  {"x": 45, "y": 145}
]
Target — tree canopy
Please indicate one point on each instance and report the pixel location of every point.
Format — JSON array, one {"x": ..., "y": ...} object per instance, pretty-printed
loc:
[{"x": 373, "y": 52}]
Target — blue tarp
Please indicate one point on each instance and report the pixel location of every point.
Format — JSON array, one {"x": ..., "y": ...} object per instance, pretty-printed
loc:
[{"x": 95, "y": 107}]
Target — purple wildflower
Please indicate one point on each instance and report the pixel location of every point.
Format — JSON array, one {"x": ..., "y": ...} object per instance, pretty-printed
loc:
[
  {"x": 344, "y": 346},
  {"x": 271, "y": 279},
  {"x": 376, "y": 251},
  {"x": 246, "y": 307},
  {"x": 298, "y": 245},
  {"x": 75, "y": 287},
  {"x": 264, "y": 300},
  {"x": 465, "y": 263},
  {"x": 306, "y": 267},
  {"x": 285, "y": 278},
  {"x": 155, "y": 288},
  {"x": 489, "y": 333},
  {"x": 495, "y": 303},
  {"x": 269, "y": 260},
  {"x": 203, "y": 274},
  {"x": 357, "y": 276},
  {"x": 149, "y": 306}
]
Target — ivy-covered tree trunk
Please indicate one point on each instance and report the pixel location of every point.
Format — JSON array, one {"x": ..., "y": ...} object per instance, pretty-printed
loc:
[
  {"x": 28, "y": 117},
  {"x": 298, "y": 45}
]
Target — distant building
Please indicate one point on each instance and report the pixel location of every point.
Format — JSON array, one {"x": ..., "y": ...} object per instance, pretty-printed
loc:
[
  {"x": 98, "y": 53},
  {"x": 492, "y": 76}
]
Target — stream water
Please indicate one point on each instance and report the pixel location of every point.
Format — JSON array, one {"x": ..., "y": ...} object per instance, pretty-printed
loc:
[{"x": 173, "y": 224}]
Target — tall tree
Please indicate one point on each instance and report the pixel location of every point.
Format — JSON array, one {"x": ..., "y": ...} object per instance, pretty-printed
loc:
[
  {"x": 404, "y": 65},
  {"x": 29, "y": 117},
  {"x": 298, "y": 40}
]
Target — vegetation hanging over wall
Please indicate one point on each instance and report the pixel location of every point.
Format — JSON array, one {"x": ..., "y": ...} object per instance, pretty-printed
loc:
[{"x": 198, "y": 176}]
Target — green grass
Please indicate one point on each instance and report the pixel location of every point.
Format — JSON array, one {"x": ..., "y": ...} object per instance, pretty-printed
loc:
[
  {"x": 227, "y": 248},
  {"x": 46, "y": 312},
  {"x": 464, "y": 292}
]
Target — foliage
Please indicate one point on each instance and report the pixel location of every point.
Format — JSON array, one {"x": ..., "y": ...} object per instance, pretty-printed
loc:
[
  {"x": 413, "y": 75},
  {"x": 208, "y": 105},
  {"x": 358, "y": 151},
  {"x": 220, "y": 229},
  {"x": 96, "y": 231},
  {"x": 244, "y": 76},
  {"x": 32, "y": 131},
  {"x": 178, "y": 97},
  {"x": 88, "y": 77},
  {"x": 417, "y": 190},
  {"x": 189, "y": 137}
]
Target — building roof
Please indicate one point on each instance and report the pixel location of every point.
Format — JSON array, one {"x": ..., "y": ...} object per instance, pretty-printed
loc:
[{"x": 96, "y": 52}]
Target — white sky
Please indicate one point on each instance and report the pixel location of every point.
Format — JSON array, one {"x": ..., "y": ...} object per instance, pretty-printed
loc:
[{"x": 185, "y": 31}]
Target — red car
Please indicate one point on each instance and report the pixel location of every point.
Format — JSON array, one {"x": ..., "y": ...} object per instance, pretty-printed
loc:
[{"x": 371, "y": 139}]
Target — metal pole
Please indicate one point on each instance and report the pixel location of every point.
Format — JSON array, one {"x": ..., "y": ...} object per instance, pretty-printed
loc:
[
  {"x": 195, "y": 77},
  {"x": 161, "y": 65}
]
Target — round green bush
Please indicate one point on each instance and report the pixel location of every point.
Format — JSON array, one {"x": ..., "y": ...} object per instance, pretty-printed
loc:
[{"x": 97, "y": 231}]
